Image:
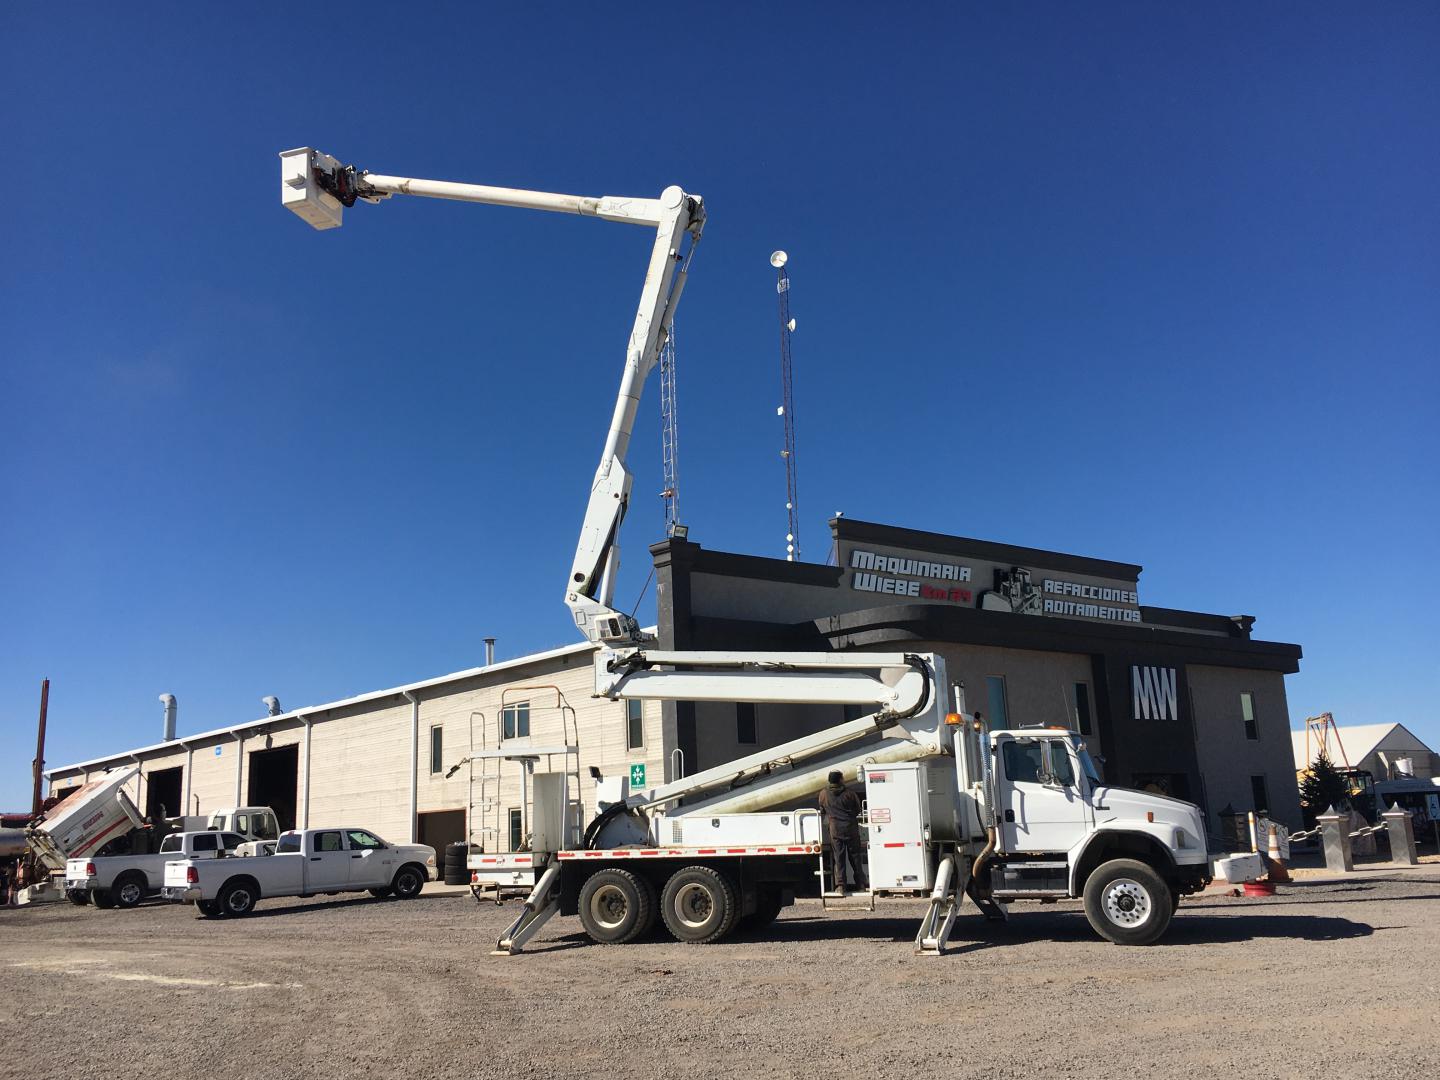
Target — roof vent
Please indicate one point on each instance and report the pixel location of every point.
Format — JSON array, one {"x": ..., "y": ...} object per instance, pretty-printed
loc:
[{"x": 168, "y": 732}]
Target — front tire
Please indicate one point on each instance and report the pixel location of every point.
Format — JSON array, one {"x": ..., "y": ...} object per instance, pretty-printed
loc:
[
  {"x": 408, "y": 882},
  {"x": 129, "y": 890},
  {"x": 78, "y": 897},
  {"x": 616, "y": 906},
  {"x": 699, "y": 905},
  {"x": 1128, "y": 903},
  {"x": 208, "y": 908},
  {"x": 101, "y": 898},
  {"x": 382, "y": 894}
]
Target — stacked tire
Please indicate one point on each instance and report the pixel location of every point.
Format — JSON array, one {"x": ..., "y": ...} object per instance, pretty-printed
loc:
[{"x": 456, "y": 856}]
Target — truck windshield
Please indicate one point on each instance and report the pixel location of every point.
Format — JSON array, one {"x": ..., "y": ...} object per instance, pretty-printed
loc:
[{"x": 1087, "y": 765}]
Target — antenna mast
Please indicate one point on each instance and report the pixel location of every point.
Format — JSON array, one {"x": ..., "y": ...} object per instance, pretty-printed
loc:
[
  {"x": 786, "y": 410},
  {"x": 669, "y": 435}
]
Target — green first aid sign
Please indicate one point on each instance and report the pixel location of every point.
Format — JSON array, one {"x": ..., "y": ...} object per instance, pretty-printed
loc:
[{"x": 637, "y": 776}]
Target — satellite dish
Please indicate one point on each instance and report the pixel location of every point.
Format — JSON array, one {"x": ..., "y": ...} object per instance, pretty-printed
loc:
[{"x": 778, "y": 259}]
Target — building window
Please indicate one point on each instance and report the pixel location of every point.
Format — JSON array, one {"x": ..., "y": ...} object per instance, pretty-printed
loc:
[
  {"x": 1259, "y": 796},
  {"x": 634, "y": 725},
  {"x": 1082, "y": 708},
  {"x": 437, "y": 748},
  {"x": 995, "y": 695},
  {"x": 515, "y": 720},
  {"x": 1247, "y": 710},
  {"x": 517, "y": 833},
  {"x": 745, "y": 722}
]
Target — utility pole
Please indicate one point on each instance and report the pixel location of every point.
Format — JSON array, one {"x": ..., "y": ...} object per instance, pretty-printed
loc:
[
  {"x": 787, "y": 407},
  {"x": 39, "y": 764}
]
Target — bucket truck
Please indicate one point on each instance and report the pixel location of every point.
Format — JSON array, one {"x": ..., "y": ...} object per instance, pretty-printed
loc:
[{"x": 952, "y": 810}]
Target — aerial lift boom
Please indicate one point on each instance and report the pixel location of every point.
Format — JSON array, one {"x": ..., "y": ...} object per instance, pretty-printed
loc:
[{"x": 317, "y": 188}]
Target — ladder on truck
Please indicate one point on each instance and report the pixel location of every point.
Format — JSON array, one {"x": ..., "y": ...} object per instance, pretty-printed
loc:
[{"x": 488, "y": 832}]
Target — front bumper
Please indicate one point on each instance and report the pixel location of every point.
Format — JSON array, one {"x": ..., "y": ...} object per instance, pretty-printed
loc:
[
  {"x": 1193, "y": 877},
  {"x": 180, "y": 894}
]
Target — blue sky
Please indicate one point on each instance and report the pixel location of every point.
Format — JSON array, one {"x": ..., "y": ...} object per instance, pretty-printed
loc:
[{"x": 1154, "y": 283}]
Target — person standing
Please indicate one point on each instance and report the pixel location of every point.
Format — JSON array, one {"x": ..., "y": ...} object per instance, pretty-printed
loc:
[{"x": 841, "y": 808}]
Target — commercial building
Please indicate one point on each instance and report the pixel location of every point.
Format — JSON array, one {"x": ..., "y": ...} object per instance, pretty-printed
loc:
[{"x": 1182, "y": 702}]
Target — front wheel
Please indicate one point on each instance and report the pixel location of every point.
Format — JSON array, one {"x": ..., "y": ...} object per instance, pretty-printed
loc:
[
  {"x": 1127, "y": 902},
  {"x": 381, "y": 894},
  {"x": 408, "y": 883},
  {"x": 78, "y": 897},
  {"x": 101, "y": 898},
  {"x": 208, "y": 908}
]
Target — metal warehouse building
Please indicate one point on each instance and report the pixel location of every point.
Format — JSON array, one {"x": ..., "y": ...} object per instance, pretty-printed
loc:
[{"x": 1182, "y": 702}]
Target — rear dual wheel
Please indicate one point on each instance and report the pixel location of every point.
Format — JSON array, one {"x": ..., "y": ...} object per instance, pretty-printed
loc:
[
  {"x": 699, "y": 905},
  {"x": 616, "y": 906}
]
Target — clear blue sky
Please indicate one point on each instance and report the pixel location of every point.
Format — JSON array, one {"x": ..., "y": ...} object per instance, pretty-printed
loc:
[{"x": 1154, "y": 283}]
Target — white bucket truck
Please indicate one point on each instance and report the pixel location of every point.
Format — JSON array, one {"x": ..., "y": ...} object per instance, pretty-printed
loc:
[{"x": 953, "y": 810}]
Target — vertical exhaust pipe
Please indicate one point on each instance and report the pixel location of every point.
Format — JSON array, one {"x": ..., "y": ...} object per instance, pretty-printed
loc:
[
  {"x": 168, "y": 700},
  {"x": 489, "y": 651},
  {"x": 272, "y": 705}
]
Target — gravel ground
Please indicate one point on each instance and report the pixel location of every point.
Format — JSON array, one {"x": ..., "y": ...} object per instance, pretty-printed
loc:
[{"x": 1328, "y": 978}]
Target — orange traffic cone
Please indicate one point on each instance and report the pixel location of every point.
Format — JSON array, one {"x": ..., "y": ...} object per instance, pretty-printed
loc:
[{"x": 1277, "y": 864}]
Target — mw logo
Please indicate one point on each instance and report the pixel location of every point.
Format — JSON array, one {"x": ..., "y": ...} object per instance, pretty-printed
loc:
[{"x": 1153, "y": 693}]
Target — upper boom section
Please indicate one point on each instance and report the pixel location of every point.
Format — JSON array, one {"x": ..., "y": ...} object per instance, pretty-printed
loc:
[{"x": 317, "y": 187}]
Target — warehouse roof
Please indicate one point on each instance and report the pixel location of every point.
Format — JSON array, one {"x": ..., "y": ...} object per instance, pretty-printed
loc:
[
  {"x": 307, "y": 710},
  {"x": 1360, "y": 741}
]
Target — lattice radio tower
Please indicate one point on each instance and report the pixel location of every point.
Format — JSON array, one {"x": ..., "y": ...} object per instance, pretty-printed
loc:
[
  {"x": 669, "y": 435},
  {"x": 787, "y": 407}
]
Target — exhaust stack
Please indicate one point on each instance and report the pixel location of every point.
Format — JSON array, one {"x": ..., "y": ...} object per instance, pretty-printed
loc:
[
  {"x": 489, "y": 651},
  {"x": 272, "y": 705},
  {"x": 168, "y": 700}
]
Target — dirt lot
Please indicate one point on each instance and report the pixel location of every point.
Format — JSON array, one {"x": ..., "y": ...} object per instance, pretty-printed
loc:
[{"x": 1319, "y": 981}]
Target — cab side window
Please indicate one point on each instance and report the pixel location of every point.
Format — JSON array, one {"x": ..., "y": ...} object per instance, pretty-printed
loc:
[
  {"x": 289, "y": 844},
  {"x": 1060, "y": 767},
  {"x": 207, "y": 842},
  {"x": 360, "y": 840},
  {"x": 328, "y": 841},
  {"x": 230, "y": 841},
  {"x": 1022, "y": 761}
]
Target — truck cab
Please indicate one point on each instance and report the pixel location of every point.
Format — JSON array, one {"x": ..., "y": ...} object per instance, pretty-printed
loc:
[{"x": 1059, "y": 826}]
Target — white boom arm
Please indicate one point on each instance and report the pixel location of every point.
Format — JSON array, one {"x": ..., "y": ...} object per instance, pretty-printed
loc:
[
  {"x": 318, "y": 188},
  {"x": 903, "y": 691}
]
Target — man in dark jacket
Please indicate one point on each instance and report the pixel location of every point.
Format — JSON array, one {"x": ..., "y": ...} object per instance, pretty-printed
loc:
[{"x": 841, "y": 808}]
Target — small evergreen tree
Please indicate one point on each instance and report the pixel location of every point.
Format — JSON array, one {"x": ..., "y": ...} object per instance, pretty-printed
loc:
[{"x": 1323, "y": 786}]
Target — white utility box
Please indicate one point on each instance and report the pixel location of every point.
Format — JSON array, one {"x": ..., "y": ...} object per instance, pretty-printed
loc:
[
  {"x": 897, "y": 821},
  {"x": 741, "y": 830}
]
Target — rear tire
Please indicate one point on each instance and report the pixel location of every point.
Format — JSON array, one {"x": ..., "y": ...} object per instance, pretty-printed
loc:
[
  {"x": 237, "y": 899},
  {"x": 616, "y": 906},
  {"x": 78, "y": 897},
  {"x": 382, "y": 894},
  {"x": 699, "y": 905},
  {"x": 101, "y": 899},
  {"x": 208, "y": 908},
  {"x": 1128, "y": 903},
  {"x": 408, "y": 882},
  {"x": 129, "y": 889}
]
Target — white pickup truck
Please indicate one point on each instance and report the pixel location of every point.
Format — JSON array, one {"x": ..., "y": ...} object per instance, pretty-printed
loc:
[
  {"x": 122, "y": 881},
  {"x": 307, "y": 862}
]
